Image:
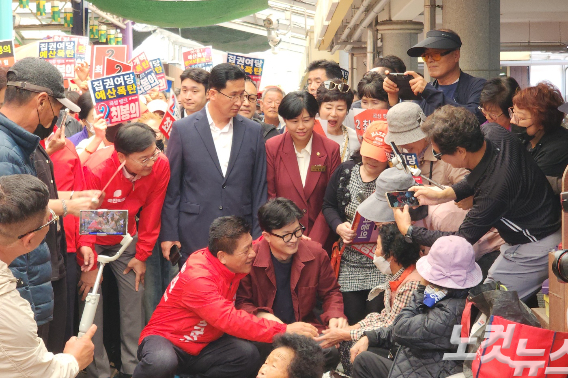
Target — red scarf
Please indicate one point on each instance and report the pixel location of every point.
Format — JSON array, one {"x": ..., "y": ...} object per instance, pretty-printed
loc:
[{"x": 395, "y": 284}]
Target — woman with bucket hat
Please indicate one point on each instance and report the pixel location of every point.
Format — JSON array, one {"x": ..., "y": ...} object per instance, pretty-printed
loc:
[{"x": 424, "y": 328}]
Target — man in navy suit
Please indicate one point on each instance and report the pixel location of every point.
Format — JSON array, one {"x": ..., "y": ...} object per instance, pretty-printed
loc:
[{"x": 218, "y": 166}]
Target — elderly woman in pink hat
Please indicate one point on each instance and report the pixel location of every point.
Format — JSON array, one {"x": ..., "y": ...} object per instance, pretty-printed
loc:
[{"x": 424, "y": 328}]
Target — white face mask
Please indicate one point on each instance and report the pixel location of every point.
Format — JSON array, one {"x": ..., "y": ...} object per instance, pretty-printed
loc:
[
  {"x": 90, "y": 127},
  {"x": 382, "y": 264}
]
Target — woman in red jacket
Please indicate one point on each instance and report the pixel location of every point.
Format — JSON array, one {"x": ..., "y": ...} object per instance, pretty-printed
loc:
[{"x": 300, "y": 162}]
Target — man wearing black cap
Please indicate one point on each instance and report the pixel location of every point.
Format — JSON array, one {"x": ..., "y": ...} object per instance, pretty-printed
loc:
[
  {"x": 34, "y": 96},
  {"x": 440, "y": 51}
]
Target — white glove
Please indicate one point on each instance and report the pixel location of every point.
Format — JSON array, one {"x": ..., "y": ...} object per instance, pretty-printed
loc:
[{"x": 416, "y": 172}]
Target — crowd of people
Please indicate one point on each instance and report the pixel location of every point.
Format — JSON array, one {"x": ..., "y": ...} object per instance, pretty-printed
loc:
[{"x": 258, "y": 193}]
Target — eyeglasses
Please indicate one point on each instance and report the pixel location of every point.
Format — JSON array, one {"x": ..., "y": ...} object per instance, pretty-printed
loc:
[
  {"x": 490, "y": 116},
  {"x": 517, "y": 119},
  {"x": 341, "y": 87},
  {"x": 287, "y": 238},
  {"x": 52, "y": 219},
  {"x": 437, "y": 155},
  {"x": 234, "y": 98},
  {"x": 436, "y": 56},
  {"x": 251, "y": 98},
  {"x": 154, "y": 157}
]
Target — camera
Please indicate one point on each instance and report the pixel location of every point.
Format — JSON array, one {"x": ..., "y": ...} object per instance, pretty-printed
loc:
[{"x": 560, "y": 265}]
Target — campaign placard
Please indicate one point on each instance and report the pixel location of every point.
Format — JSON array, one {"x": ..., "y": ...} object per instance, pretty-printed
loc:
[
  {"x": 362, "y": 118},
  {"x": 166, "y": 124},
  {"x": 160, "y": 74},
  {"x": 252, "y": 66},
  {"x": 7, "y": 53},
  {"x": 99, "y": 55},
  {"x": 366, "y": 235},
  {"x": 113, "y": 66},
  {"x": 173, "y": 106},
  {"x": 82, "y": 50},
  {"x": 61, "y": 54},
  {"x": 411, "y": 160},
  {"x": 116, "y": 97},
  {"x": 199, "y": 58},
  {"x": 140, "y": 64}
]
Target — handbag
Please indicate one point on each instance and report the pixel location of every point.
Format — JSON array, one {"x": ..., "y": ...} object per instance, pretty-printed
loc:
[{"x": 336, "y": 253}]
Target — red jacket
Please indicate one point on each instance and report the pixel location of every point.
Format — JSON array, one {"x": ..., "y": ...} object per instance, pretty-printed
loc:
[
  {"x": 68, "y": 174},
  {"x": 283, "y": 178},
  {"x": 147, "y": 193},
  {"x": 198, "y": 307},
  {"x": 311, "y": 277}
]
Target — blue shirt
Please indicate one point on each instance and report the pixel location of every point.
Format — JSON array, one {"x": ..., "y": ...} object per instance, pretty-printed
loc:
[{"x": 449, "y": 90}]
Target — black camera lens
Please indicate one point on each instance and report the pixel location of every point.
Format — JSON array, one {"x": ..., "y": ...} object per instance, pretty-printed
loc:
[{"x": 560, "y": 265}]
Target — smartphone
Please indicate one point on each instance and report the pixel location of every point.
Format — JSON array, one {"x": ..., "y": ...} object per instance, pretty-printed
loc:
[
  {"x": 402, "y": 81},
  {"x": 174, "y": 255},
  {"x": 103, "y": 222},
  {"x": 399, "y": 199}
]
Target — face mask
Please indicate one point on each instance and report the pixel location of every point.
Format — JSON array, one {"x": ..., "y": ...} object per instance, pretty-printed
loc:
[
  {"x": 41, "y": 131},
  {"x": 382, "y": 264},
  {"x": 524, "y": 135},
  {"x": 90, "y": 127},
  {"x": 433, "y": 295}
]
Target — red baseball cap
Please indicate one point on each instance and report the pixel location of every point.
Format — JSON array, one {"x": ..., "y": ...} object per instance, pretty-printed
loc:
[{"x": 373, "y": 145}]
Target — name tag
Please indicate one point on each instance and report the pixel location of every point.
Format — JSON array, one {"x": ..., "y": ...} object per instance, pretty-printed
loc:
[{"x": 318, "y": 168}]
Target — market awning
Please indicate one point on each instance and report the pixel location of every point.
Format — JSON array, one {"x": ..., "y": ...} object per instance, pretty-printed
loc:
[{"x": 181, "y": 14}]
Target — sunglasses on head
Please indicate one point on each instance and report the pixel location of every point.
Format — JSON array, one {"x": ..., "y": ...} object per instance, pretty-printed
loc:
[{"x": 330, "y": 85}]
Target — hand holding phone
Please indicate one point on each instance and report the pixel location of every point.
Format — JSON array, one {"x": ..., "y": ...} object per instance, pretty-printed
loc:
[
  {"x": 399, "y": 199},
  {"x": 174, "y": 255},
  {"x": 402, "y": 81}
]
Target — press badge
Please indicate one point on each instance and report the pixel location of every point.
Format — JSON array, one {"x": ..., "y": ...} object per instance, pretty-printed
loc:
[{"x": 318, "y": 168}]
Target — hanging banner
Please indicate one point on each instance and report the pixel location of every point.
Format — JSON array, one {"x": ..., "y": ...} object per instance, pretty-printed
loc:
[
  {"x": 7, "y": 53},
  {"x": 252, "y": 66},
  {"x": 160, "y": 74},
  {"x": 82, "y": 51},
  {"x": 100, "y": 53},
  {"x": 116, "y": 97},
  {"x": 61, "y": 54},
  {"x": 113, "y": 66},
  {"x": 199, "y": 58}
]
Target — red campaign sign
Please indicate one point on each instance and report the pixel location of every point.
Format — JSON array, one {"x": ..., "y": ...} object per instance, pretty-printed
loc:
[
  {"x": 365, "y": 118},
  {"x": 166, "y": 125},
  {"x": 100, "y": 53},
  {"x": 198, "y": 58},
  {"x": 113, "y": 66},
  {"x": 140, "y": 64}
]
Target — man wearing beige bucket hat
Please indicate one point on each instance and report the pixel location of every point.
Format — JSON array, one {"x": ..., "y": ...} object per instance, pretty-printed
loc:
[{"x": 404, "y": 120}]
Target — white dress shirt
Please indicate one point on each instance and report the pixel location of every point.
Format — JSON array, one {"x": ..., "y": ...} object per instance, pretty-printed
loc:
[
  {"x": 304, "y": 160},
  {"x": 223, "y": 140}
]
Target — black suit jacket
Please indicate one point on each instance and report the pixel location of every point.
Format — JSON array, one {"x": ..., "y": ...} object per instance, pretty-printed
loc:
[{"x": 198, "y": 192}]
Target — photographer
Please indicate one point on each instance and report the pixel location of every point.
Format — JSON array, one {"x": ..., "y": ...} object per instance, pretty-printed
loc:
[
  {"x": 24, "y": 222},
  {"x": 139, "y": 187}
]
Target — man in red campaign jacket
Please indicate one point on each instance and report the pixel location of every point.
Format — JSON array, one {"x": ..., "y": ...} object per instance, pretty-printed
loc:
[
  {"x": 196, "y": 328},
  {"x": 140, "y": 183}
]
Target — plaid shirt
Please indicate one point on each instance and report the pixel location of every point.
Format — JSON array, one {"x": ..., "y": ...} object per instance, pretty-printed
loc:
[{"x": 386, "y": 317}]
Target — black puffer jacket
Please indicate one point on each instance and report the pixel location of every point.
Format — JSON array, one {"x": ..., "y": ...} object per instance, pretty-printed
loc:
[{"x": 424, "y": 335}]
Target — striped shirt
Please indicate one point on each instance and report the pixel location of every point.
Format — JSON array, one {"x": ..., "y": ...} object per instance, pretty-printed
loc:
[{"x": 510, "y": 192}]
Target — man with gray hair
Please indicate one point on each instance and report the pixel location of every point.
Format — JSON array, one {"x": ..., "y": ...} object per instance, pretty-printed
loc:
[
  {"x": 24, "y": 221},
  {"x": 271, "y": 99}
]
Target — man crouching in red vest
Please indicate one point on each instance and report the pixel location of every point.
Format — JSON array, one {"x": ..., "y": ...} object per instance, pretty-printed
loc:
[{"x": 196, "y": 328}]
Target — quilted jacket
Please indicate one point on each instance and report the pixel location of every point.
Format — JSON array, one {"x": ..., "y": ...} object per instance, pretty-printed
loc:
[
  {"x": 424, "y": 336},
  {"x": 32, "y": 270}
]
